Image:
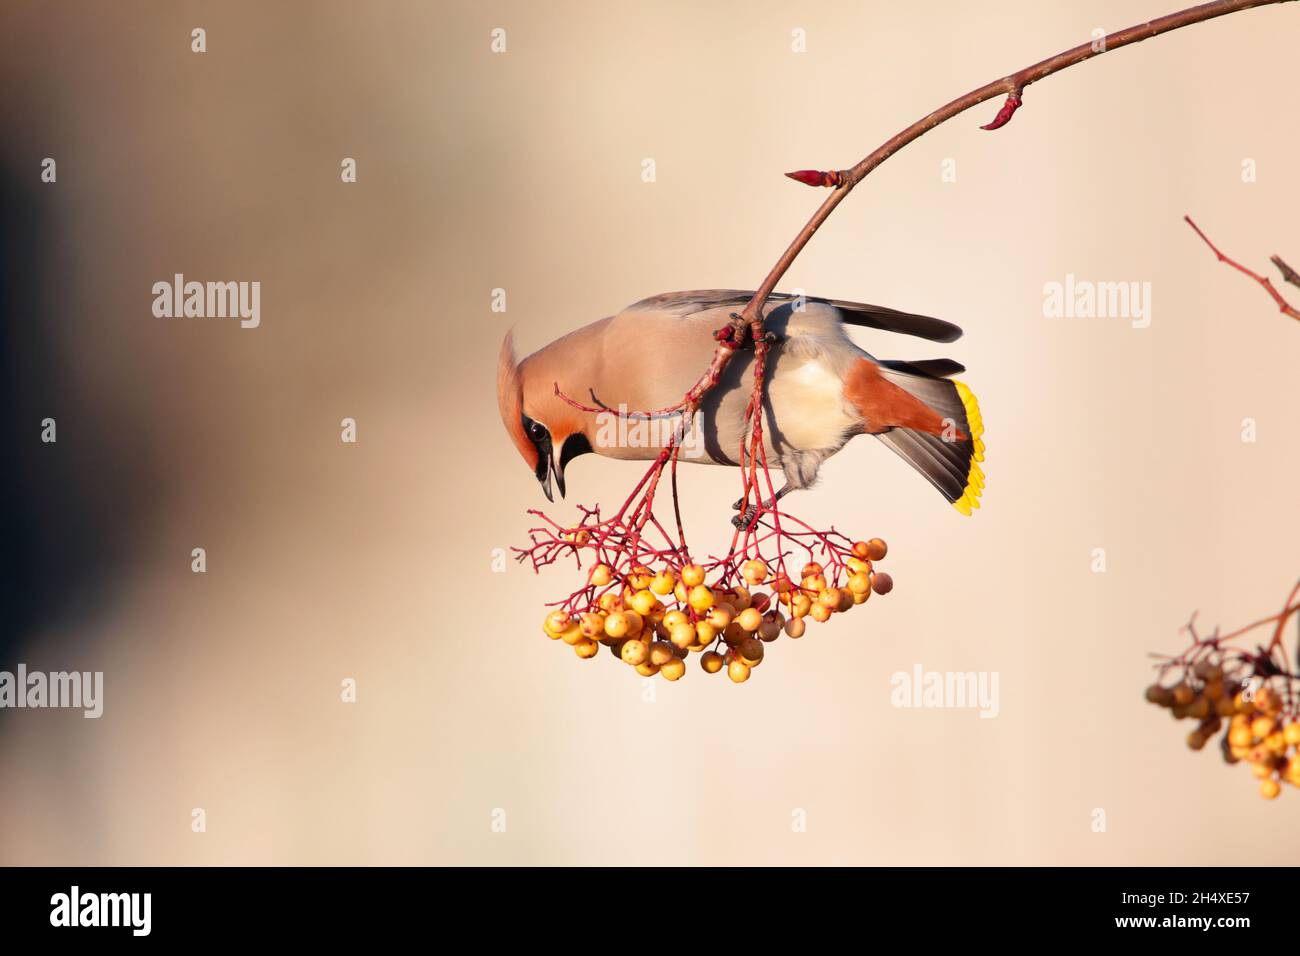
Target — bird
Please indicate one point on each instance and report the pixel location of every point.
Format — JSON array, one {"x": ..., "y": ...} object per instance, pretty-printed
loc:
[{"x": 821, "y": 390}]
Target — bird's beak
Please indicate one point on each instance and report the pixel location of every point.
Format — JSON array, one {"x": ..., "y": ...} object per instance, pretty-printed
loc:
[
  {"x": 559, "y": 476},
  {"x": 546, "y": 468}
]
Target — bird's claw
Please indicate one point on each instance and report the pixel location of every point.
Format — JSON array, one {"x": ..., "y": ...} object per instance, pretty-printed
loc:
[{"x": 746, "y": 518}]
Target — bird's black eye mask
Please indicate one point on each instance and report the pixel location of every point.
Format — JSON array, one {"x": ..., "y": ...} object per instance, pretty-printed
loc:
[
  {"x": 541, "y": 439},
  {"x": 574, "y": 446}
]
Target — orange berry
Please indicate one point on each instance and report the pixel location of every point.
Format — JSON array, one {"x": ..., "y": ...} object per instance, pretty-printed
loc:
[
  {"x": 800, "y": 604},
  {"x": 814, "y": 582},
  {"x": 877, "y": 549},
  {"x": 557, "y": 622},
  {"x": 795, "y": 627},
  {"x": 749, "y": 619},
  {"x": 1269, "y": 789},
  {"x": 586, "y": 648},
  {"x": 593, "y": 626},
  {"x": 682, "y": 635},
  {"x": 673, "y": 669},
  {"x": 720, "y": 615},
  {"x": 811, "y": 568},
  {"x": 755, "y": 571},
  {"x": 861, "y": 549},
  {"x": 1292, "y": 734},
  {"x": 692, "y": 575},
  {"x": 635, "y": 652},
  {"x": 572, "y": 634},
  {"x": 711, "y": 661},
  {"x": 738, "y": 671},
  {"x": 830, "y": 597},
  {"x": 820, "y": 613},
  {"x": 646, "y": 669},
  {"x": 661, "y": 652}
]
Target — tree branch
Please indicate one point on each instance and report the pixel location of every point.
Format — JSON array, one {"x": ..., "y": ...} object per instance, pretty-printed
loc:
[{"x": 1013, "y": 86}]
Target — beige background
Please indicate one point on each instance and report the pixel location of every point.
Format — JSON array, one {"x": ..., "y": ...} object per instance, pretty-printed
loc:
[{"x": 522, "y": 171}]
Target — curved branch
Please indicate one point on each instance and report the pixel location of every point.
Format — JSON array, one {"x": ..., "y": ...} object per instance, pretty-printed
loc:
[{"x": 1013, "y": 86}]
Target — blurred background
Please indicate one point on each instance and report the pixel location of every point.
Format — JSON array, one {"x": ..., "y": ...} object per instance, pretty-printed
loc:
[{"x": 521, "y": 170}]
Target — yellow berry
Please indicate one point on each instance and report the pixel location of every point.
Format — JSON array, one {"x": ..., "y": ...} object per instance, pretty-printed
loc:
[
  {"x": 692, "y": 575},
  {"x": 586, "y": 648},
  {"x": 738, "y": 671},
  {"x": 663, "y": 583},
  {"x": 1270, "y": 788},
  {"x": 601, "y": 575},
  {"x": 557, "y": 622},
  {"x": 749, "y": 619},
  {"x": 701, "y": 598},
  {"x": 711, "y": 661},
  {"x": 755, "y": 572}
]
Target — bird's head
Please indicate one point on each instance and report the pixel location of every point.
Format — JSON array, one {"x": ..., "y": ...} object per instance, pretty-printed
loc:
[{"x": 548, "y": 431}]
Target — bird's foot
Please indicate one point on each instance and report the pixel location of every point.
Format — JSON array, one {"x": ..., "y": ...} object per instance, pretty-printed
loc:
[{"x": 745, "y": 518}]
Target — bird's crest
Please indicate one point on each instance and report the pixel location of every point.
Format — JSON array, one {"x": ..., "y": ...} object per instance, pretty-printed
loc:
[{"x": 510, "y": 400}]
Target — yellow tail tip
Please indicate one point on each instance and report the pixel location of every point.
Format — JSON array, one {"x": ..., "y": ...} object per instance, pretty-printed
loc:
[{"x": 970, "y": 498}]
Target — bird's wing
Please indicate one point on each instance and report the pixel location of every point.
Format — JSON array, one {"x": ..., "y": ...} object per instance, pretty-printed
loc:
[{"x": 854, "y": 313}]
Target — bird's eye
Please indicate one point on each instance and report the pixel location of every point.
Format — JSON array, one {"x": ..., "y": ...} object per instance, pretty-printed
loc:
[{"x": 537, "y": 431}]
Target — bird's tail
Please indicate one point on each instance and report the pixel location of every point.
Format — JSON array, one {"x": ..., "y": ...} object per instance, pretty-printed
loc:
[{"x": 950, "y": 458}]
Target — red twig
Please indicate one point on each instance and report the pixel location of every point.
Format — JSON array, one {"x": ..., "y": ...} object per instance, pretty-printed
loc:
[{"x": 1288, "y": 273}]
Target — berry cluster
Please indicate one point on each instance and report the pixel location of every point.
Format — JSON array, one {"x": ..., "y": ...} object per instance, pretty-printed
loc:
[
  {"x": 1257, "y": 714},
  {"x": 652, "y": 620}
]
